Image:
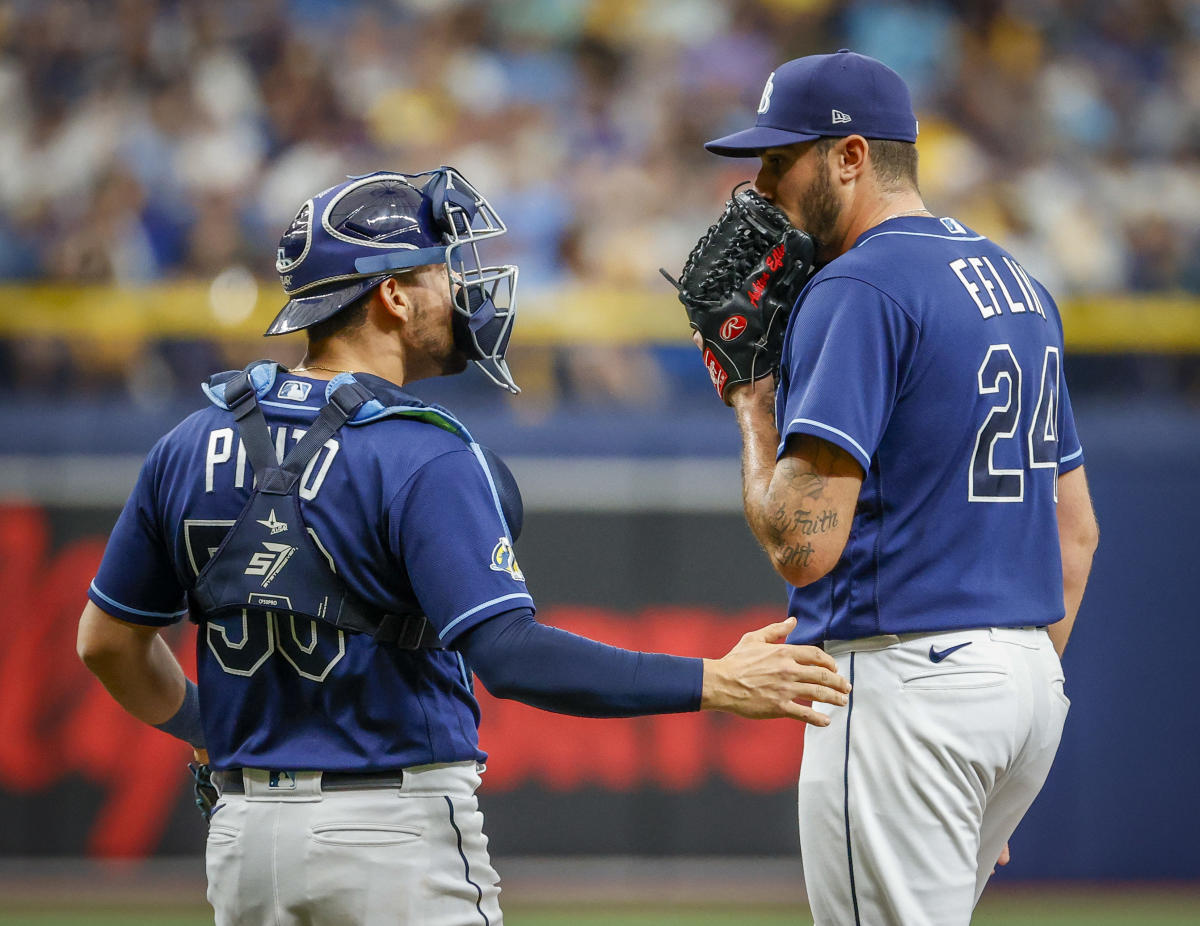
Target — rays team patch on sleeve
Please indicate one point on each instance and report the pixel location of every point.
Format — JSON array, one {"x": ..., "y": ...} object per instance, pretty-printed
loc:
[{"x": 505, "y": 560}]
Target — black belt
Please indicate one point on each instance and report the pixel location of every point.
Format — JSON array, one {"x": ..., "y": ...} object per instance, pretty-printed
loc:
[{"x": 229, "y": 781}]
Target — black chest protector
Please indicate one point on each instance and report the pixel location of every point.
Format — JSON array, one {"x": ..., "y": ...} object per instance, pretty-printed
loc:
[{"x": 269, "y": 560}]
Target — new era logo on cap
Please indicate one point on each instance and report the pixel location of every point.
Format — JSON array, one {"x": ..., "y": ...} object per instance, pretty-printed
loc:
[{"x": 838, "y": 116}]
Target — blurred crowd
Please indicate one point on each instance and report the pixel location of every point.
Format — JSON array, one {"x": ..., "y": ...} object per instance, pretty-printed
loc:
[{"x": 149, "y": 140}]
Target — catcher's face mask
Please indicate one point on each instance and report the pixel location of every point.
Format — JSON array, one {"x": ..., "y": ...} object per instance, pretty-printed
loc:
[{"x": 348, "y": 239}]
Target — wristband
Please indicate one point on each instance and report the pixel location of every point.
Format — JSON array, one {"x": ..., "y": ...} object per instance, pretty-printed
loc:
[{"x": 185, "y": 723}]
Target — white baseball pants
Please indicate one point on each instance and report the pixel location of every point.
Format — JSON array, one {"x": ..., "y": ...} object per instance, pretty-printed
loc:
[
  {"x": 413, "y": 854},
  {"x": 907, "y": 798}
]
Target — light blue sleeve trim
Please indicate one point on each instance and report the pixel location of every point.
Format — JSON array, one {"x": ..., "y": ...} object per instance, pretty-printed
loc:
[
  {"x": 1071, "y": 456},
  {"x": 487, "y": 473},
  {"x": 866, "y": 457},
  {"x": 462, "y": 668},
  {"x": 126, "y": 608},
  {"x": 475, "y": 610}
]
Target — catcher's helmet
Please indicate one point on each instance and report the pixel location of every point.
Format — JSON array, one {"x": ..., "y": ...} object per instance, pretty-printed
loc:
[{"x": 349, "y": 238}]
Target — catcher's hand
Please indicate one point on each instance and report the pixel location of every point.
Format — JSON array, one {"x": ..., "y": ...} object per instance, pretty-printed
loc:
[
  {"x": 204, "y": 791},
  {"x": 739, "y": 285}
]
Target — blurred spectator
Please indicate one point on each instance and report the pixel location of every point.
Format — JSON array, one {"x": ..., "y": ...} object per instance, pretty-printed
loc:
[{"x": 158, "y": 139}]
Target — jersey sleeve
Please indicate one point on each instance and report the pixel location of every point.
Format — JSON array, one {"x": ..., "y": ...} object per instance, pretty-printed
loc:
[
  {"x": 517, "y": 657},
  {"x": 447, "y": 526},
  {"x": 136, "y": 581},
  {"x": 845, "y": 361},
  {"x": 1070, "y": 449}
]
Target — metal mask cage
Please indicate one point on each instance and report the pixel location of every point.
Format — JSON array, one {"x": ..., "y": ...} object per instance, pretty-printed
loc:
[
  {"x": 488, "y": 317},
  {"x": 466, "y": 218}
]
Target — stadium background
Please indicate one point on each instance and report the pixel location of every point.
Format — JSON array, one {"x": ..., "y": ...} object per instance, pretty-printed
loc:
[{"x": 153, "y": 150}]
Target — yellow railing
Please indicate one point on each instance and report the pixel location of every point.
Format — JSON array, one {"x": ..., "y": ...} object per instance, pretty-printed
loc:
[{"x": 239, "y": 308}]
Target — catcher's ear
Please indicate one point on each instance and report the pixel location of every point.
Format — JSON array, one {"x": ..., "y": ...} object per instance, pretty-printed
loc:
[{"x": 394, "y": 299}]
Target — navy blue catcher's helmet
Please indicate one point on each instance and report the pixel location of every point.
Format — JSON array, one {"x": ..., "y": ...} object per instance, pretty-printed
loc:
[{"x": 351, "y": 237}]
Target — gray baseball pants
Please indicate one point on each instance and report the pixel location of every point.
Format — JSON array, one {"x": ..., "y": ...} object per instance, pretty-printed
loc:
[
  {"x": 286, "y": 853},
  {"x": 907, "y": 798}
]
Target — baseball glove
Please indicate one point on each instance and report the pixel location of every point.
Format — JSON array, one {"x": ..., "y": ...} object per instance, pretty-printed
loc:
[
  {"x": 739, "y": 285},
  {"x": 203, "y": 791}
]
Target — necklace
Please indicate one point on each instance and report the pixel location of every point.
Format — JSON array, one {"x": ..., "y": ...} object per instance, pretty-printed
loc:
[
  {"x": 305, "y": 367},
  {"x": 900, "y": 215}
]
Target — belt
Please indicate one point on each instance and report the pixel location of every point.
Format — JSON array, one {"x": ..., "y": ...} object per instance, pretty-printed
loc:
[
  {"x": 883, "y": 641},
  {"x": 229, "y": 781}
]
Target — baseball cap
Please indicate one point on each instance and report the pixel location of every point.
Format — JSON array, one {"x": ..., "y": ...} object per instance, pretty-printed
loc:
[{"x": 825, "y": 95}]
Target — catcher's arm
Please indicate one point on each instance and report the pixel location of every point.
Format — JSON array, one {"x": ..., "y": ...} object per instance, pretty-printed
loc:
[
  {"x": 739, "y": 285},
  {"x": 134, "y": 663}
]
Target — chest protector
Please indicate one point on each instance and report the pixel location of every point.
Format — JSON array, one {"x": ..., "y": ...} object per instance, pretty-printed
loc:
[{"x": 270, "y": 560}]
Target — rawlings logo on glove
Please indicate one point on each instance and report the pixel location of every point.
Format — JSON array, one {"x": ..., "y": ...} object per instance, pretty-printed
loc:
[{"x": 739, "y": 285}]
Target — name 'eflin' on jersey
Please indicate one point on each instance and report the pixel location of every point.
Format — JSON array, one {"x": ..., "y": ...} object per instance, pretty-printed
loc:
[
  {"x": 933, "y": 358},
  {"x": 408, "y": 514}
]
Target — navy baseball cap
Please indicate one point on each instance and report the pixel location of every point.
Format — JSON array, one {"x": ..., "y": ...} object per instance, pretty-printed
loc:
[{"x": 825, "y": 95}]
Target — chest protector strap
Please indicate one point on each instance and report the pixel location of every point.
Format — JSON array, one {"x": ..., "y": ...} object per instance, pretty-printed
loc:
[{"x": 270, "y": 560}]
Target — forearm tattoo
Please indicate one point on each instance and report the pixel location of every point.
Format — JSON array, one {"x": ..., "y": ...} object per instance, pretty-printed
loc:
[
  {"x": 789, "y": 555},
  {"x": 784, "y": 521},
  {"x": 795, "y": 506}
]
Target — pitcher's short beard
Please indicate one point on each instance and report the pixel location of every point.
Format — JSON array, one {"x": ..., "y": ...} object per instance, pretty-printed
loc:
[{"x": 821, "y": 209}]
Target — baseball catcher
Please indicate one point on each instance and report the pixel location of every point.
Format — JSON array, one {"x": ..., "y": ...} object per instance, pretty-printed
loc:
[
  {"x": 336, "y": 649},
  {"x": 739, "y": 285}
]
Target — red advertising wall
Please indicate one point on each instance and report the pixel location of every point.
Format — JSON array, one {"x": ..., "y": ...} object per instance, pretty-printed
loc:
[{"x": 77, "y": 774}]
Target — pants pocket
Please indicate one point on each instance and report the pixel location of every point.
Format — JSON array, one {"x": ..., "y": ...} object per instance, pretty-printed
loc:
[
  {"x": 955, "y": 678},
  {"x": 221, "y": 836},
  {"x": 365, "y": 834}
]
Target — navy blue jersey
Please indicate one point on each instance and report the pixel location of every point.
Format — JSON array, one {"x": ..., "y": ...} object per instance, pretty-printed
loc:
[
  {"x": 931, "y": 356},
  {"x": 406, "y": 510}
]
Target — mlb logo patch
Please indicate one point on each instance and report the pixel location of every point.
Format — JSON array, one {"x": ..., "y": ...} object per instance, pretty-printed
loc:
[
  {"x": 281, "y": 780},
  {"x": 295, "y": 391}
]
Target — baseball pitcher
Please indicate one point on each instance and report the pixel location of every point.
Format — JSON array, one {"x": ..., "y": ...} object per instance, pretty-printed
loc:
[{"x": 912, "y": 469}]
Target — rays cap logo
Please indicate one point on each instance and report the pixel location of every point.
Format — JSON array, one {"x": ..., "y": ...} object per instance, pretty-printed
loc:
[
  {"x": 346, "y": 240},
  {"x": 825, "y": 96}
]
